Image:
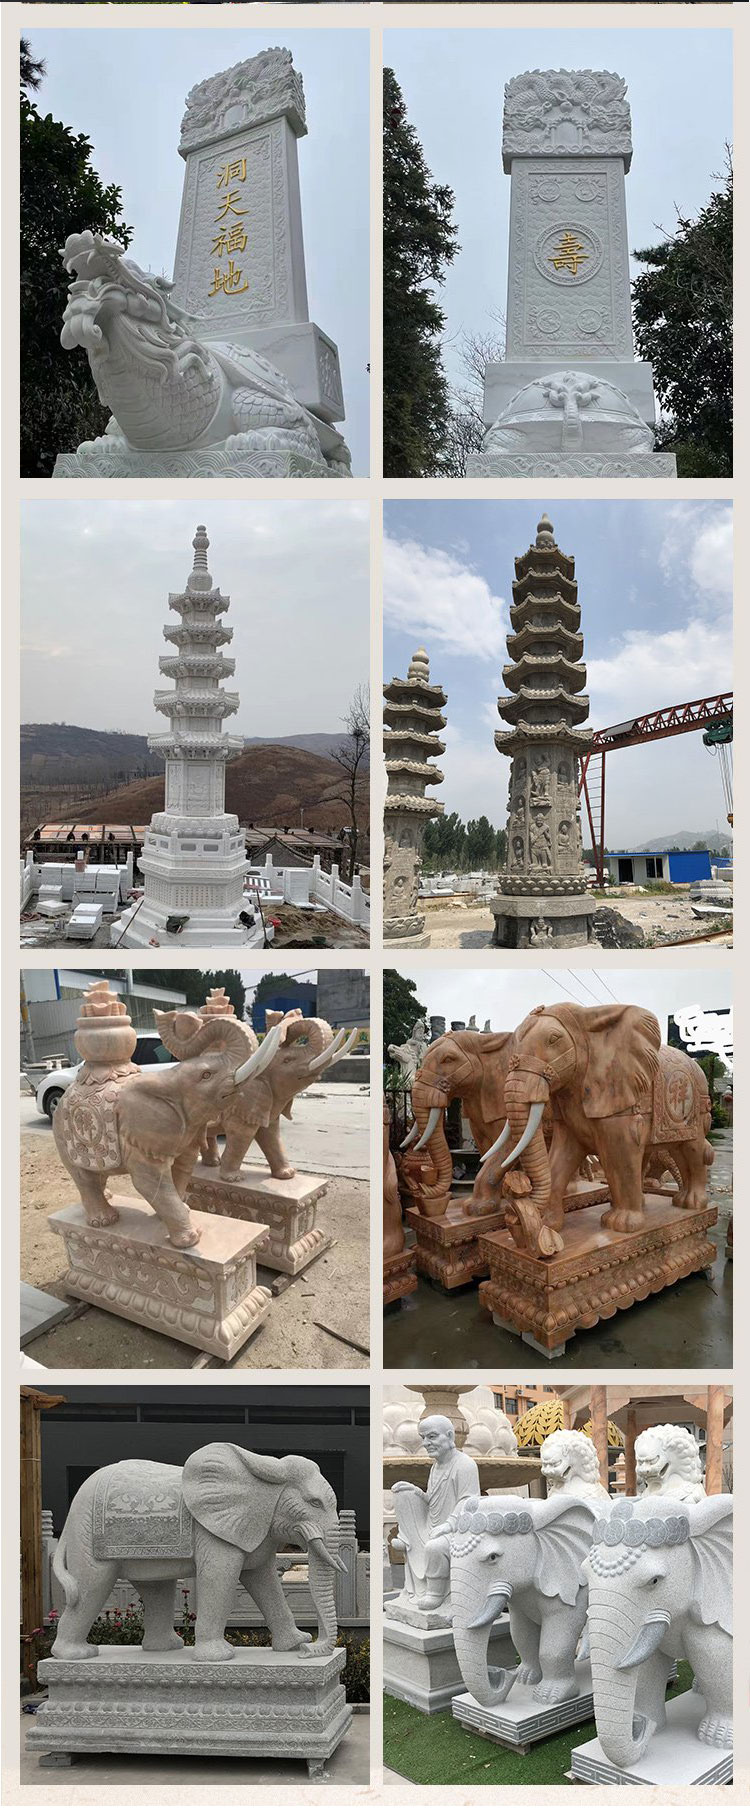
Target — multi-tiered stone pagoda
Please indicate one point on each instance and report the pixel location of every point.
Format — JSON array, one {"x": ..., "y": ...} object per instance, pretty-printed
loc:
[
  {"x": 412, "y": 718},
  {"x": 543, "y": 901},
  {"x": 193, "y": 859}
]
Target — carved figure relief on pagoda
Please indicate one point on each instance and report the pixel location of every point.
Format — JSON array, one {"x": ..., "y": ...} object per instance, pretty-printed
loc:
[
  {"x": 411, "y": 718},
  {"x": 542, "y": 899}
]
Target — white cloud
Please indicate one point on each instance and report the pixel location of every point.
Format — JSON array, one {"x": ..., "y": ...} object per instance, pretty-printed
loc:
[
  {"x": 438, "y": 599},
  {"x": 697, "y": 549},
  {"x": 649, "y": 671},
  {"x": 711, "y": 562}
]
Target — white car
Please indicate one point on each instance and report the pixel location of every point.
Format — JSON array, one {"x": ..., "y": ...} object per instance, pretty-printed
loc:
[{"x": 148, "y": 1049}]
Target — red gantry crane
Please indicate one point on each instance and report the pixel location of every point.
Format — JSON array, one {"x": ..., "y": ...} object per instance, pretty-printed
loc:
[{"x": 709, "y": 713}]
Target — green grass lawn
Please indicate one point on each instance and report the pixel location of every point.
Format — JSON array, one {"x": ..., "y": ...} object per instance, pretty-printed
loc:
[{"x": 433, "y": 1749}]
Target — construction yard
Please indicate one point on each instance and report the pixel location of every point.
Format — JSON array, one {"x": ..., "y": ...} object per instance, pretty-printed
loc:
[
  {"x": 320, "y": 1321},
  {"x": 661, "y": 918}
]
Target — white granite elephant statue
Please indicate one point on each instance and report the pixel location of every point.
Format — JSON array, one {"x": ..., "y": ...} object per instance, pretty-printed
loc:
[
  {"x": 524, "y": 1556},
  {"x": 303, "y": 1051},
  {"x": 222, "y": 1519},
  {"x": 659, "y": 1575}
]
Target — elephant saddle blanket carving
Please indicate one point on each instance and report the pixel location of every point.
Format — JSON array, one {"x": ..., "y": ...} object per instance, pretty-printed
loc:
[
  {"x": 88, "y": 1122},
  {"x": 139, "y": 1512},
  {"x": 678, "y": 1104}
]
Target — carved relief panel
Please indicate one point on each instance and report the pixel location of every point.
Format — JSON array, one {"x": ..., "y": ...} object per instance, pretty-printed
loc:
[
  {"x": 234, "y": 266},
  {"x": 568, "y": 273}
]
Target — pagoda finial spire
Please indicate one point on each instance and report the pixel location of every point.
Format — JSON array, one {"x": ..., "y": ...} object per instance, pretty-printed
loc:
[
  {"x": 201, "y": 545},
  {"x": 545, "y": 533}
]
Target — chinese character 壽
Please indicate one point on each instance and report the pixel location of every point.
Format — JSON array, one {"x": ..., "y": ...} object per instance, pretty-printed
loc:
[{"x": 568, "y": 254}]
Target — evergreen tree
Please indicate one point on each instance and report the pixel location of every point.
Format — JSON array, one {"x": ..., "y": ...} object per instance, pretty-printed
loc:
[
  {"x": 419, "y": 242},
  {"x": 60, "y": 194},
  {"x": 682, "y": 313},
  {"x": 401, "y": 1008}
]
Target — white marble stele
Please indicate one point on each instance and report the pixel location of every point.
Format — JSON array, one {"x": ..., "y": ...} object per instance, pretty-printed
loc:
[
  {"x": 420, "y": 1664},
  {"x": 675, "y": 1760},
  {"x": 265, "y": 1704},
  {"x": 521, "y": 1720},
  {"x": 568, "y": 399},
  {"x": 288, "y": 1208},
  {"x": 207, "y": 1296}
]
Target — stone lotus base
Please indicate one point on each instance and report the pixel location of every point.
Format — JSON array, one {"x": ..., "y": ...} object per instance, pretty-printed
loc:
[
  {"x": 634, "y": 464},
  {"x": 448, "y": 1249},
  {"x": 420, "y": 1665},
  {"x": 207, "y": 1296},
  {"x": 259, "y": 1704},
  {"x": 288, "y": 1208},
  {"x": 520, "y": 1721},
  {"x": 399, "y": 1275},
  {"x": 675, "y": 1758},
  {"x": 216, "y": 461},
  {"x": 599, "y": 1273}
]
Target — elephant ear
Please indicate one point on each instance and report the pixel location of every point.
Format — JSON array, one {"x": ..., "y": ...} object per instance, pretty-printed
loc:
[
  {"x": 711, "y": 1545},
  {"x": 494, "y": 1053},
  {"x": 233, "y": 1493},
  {"x": 563, "y": 1525},
  {"x": 149, "y": 1117},
  {"x": 617, "y": 1047}
]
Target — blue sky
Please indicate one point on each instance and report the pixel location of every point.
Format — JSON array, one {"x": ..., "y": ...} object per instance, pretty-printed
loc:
[
  {"x": 125, "y": 89},
  {"x": 680, "y": 92},
  {"x": 506, "y": 997},
  {"x": 655, "y": 588}
]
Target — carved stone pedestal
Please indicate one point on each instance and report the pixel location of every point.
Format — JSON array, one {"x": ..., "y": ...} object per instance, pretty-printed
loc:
[
  {"x": 420, "y": 1665},
  {"x": 674, "y": 1757},
  {"x": 521, "y": 1721},
  {"x": 258, "y": 1704},
  {"x": 449, "y": 1250},
  {"x": 228, "y": 460},
  {"x": 288, "y": 1208},
  {"x": 599, "y": 1273},
  {"x": 399, "y": 1275},
  {"x": 586, "y": 1193},
  {"x": 207, "y": 1296}
]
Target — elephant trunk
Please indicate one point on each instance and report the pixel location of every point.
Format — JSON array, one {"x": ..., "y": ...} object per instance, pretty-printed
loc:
[
  {"x": 525, "y": 1105},
  {"x": 487, "y": 1683},
  {"x": 321, "y": 1574},
  {"x": 620, "y": 1641},
  {"x": 429, "y": 1114}
]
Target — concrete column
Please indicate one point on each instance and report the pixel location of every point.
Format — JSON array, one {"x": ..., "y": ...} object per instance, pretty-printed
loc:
[{"x": 599, "y": 1431}]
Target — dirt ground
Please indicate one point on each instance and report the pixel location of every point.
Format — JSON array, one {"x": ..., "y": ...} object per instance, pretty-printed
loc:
[
  {"x": 662, "y": 918},
  {"x": 296, "y": 929},
  {"x": 334, "y": 1290}
]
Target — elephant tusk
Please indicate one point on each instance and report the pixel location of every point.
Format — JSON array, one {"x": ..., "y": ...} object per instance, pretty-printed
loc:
[
  {"x": 320, "y": 1061},
  {"x": 432, "y": 1124},
  {"x": 648, "y": 1640},
  {"x": 498, "y": 1143},
  {"x": 497, "y": 1600},
  {"x": 536, "y": 1114},
  {"x": 260, "y": 1057},
  {"x": 326, "y": 1557},
  {"x": 410, "y": 1135},
  {"x": 349, "y": 1044}
]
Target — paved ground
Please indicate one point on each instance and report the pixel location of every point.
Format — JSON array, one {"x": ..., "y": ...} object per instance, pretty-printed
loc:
[
  {"x": 350, "y": 1764},
  {"x": 471, "y": 926},
  {"x": 329, "y": 1135},
  {"x": 688, "y": 1326}
]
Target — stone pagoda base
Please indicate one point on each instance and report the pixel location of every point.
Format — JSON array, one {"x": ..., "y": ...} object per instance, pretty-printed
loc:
[
  {"x": 420, "y": 1664},
  {"x": 675, "y": 1758},
  {"x": 258, "y": 1704},
  {"x": 288, "y": 1208},
  {"x": 449, "y": 1249},
  {"x": 405, "y": 932},
  {"x": 399, "y": 1275},
  {"x": 103, "y": 459},
  {"x": 567, "y": 921},
  {"x": 520, "y": 1721},
  {"x": 143, "y": 923},
  {"x": 633, "y": 464},
  {"x": 599, "y": 1273},
  {"x": 207, "y": 1296}
]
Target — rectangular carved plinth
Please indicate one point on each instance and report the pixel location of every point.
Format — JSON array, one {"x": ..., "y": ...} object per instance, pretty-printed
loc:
[
  {"x": 258, "y": 1704},
  {"x": 520, "y": 1721},
  {"x": 599, "y": 1273},
  {"x": 207, "y": 1296},
  {"x": 536, "y": 464},
  {"x": 674, "y": 1757},
  {"x": 449, "y": 1248},
  {"x": 288, "y": 1208},
  {"x": 420, "y": 1666},
  {"x": 399, "y": 1275},
  {"x": 586, "y": 1193}
]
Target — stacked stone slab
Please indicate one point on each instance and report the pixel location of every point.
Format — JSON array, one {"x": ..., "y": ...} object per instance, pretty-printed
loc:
[
  {"x": 412, "y": 718},
  {"x": 542, "y": 900},
  {"x": 569, "y": 398},
  {"x": 194, "y": 860}
]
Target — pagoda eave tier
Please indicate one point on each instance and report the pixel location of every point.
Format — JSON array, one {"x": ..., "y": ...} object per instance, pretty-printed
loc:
[
  {"x": 199, "y": 601},
  {"x": 211, "y": 634},
  {"x": 196, "y": 665},
  {"x": 545, "y": 560},
  {"x": 512, "y": 708},
  {"x": 539, "y": 609},
  {"x": 431, "y": 774},
  {"x": 549, "y": 734},
  {"x": 407, "y": 802},
  {"x": 196, "y": 747},
  {"x": 407, "y": 737},
  {"x": 197, "y": 703},
  {"x": 541, "y": 665},
  {"x": 400, "y": 689},
  {"x": 572, "y": 641}
]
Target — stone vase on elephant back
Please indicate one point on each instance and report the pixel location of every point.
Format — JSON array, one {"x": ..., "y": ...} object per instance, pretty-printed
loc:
[{"x": 222, "y": 1518}]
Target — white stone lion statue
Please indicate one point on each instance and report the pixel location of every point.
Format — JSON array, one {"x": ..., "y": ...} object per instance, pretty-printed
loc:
[
  {"x": 668, "y": 1462},
  {"x": 570, "y": 1466}
]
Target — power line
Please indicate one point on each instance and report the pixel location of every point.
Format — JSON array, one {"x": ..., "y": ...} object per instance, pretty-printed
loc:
[
  {"x": 602, "y": 982},
  {"x": 576, "y": 976},
  {"x": 556, "y": 982}
]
